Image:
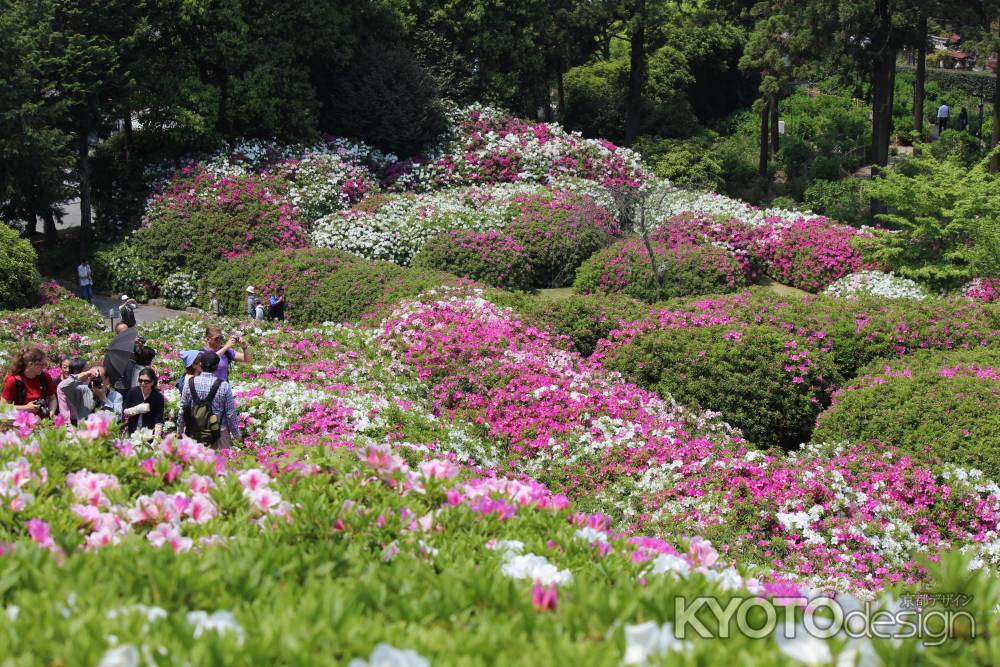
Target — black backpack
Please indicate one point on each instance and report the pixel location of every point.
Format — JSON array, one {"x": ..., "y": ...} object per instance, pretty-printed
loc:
[
  {"x": 21, "y": 388},
  {"x": 200, "y": 422}
]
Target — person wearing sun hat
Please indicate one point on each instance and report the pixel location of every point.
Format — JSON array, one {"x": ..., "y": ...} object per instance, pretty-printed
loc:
[
  {"x": 127, "y": 310},
  {"x": 251, "y": 300},
  {"x": 192, "y": 367}
]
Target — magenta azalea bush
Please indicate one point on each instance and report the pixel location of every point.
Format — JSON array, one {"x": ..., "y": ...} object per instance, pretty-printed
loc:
[
  {"x": 986, "y": 290},
  {"x": 686, "y": 269},
  {"x": 812, "y": 253},
  {"x": 559, "y": 229},
  {"x": 491, "y": 257},
  {"x": 199, "y": 220}
]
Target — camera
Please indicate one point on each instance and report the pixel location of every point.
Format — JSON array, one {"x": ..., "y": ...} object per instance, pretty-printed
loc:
[{"x": 43, "y": 407}]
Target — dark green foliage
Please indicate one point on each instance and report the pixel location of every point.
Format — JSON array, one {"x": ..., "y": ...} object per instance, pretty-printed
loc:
[
  {"x": 740, "y": 373},
  {"x": 688, "y": 163},
  {"x": 19, "y": 277},
  {"x": 842, "y": 200},
  {"x": 320, "y": 284},
  {"x": 931, "y": 405},
  {"x": 386, "y": 99},
  {"x": 959, "y": 147}
]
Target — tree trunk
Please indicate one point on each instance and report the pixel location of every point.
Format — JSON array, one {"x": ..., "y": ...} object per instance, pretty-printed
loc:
[
  {"x": 995, "y": 160},
  {"x": 918, "y": 87},
  {"x": 775, "y": 137},
  {"x": 83, "y": 171},
  {"x": 765, "y": 113},
  {"x": 49, "y": 220},
  {"x": 222, "y": 120},
  {"x": 127, "y": 129},
  {"x": 883, "y": 68},
  {"x": 636, "y": 74},
  {"x": 560, "y": 94}
]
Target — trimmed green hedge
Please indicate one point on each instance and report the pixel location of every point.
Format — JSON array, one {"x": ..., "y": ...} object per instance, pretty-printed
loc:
[
  {"x": 741, "y": 372},
  {"x": 320, "y": 284},
  {"x": 939, "y": 407}
]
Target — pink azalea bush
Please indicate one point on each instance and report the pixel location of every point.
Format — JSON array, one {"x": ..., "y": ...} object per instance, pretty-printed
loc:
[
  {"x": 201, "y": 219},
  {"x": 812, "y": 253},
  {"x": 491, "y": 257},
  {"x": 559, "y": 230},
  {"x": 986, "y": 290}
]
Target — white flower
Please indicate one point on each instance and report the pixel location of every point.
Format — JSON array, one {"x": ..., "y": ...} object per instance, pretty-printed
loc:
[
  {"x": 221, "y": 622},
  {"x": 535, "y": 568},
  {"x": 385, "y": 655},
  {"x": 648, "y": 640},
  {"x": 670, "y": 563},
  {"x": 125, "y": 655}
]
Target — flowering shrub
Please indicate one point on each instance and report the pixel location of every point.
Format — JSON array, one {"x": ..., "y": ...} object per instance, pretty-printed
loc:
[
  {"x": 583, "y": 318},
  {"x": 180, "y": 289},
  {"x": 319, "y": 184},
  {"x": 560, "y": 229},
  {"x": 768, "y": 384},
  {"x": 19, "y": 277},
  {"x": 986, "y": 290},
  {"x": 320, "y": 284},
  {"x": 938, "y": 407},
  {"x": 811, "y": 253},
  {"x": 119, "y": 269},
  {"x": 490, "y": 257},
  {"x": 686, "y": 268},
  {"x": 396, "y": 227},
  {"x": 876, "y": 283},
  {"x": 490, "y": 146},
  {"x": 201, "y": 219}
]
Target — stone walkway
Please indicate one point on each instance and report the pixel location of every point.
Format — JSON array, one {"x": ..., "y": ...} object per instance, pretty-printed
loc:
[{"x": 143, "y": 313}]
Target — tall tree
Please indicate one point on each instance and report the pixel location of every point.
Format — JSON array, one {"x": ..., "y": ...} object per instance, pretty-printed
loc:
[{"x": 983, "y": 28}]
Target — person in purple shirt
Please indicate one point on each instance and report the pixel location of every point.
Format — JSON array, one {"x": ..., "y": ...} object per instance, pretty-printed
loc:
[{"x": 216, "y": 342}]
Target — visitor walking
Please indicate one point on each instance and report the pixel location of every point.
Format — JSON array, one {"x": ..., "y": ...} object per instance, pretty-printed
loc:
[
  {"x": 214, "y": 307},
  {"x": 143, "y": 405},
  {"x": 962, "y": 122},
  {"x": 208, "y": 411},
  {"x": 276, "y": 311},
  {"x": 192, "y": 367},
  {"x": 28, "y": 387},
  {"x": 252, "y": 300},
  {"x": 942, "y": 117},
  {"x": 86, "y": 281},
  {"x": 127, "y": 310},
  {"x": 225, "y": 351}
]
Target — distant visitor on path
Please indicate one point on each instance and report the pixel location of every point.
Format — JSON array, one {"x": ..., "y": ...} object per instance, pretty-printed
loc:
[
  {"x": 252, "y": 300},
  {"x": 214, "y": 307},
  {"x": 127, "y": 310},
  {"x": 214, "y": 343},
  {"x": 962, "y": 122},
  {"x": 86, "y": 281},
  {"x": 942, "y": 117},
  {"x": 276, "y": 311}
]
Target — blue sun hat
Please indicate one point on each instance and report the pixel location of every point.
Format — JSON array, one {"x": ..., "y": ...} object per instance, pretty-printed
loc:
[{"x": 189, "y": 357}]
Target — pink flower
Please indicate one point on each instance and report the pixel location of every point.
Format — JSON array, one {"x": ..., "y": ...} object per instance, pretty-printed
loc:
[
  {"x": 165, "y": 533},
  {"x": 544, "y": 598},
  {"x": 95, "y": 427},
  {"x": 39, "y": 531}
]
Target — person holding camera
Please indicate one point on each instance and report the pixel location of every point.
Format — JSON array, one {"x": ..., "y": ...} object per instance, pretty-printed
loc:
[
  {"x": 28, "y": 387},
  {"x": 75, "y": 391},
  {"x": 227, "y": 354},
  {"x": 106, "y": 399}
]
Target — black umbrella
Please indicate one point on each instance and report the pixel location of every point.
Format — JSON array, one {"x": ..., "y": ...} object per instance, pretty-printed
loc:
[{"x": 120, "y": 357}]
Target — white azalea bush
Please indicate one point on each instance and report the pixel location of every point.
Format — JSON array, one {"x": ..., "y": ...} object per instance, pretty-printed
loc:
[
  {"x": 878, "y": 284},
  {"x": 180, "y": 289}
]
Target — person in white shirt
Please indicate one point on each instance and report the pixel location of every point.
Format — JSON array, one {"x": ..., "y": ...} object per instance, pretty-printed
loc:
[
  {"x": 942, "y": 117},
  {"x": 86, "y": 281}
]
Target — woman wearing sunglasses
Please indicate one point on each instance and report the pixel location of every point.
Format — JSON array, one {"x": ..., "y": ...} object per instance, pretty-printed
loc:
[{"x": 143, "y": 407}]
